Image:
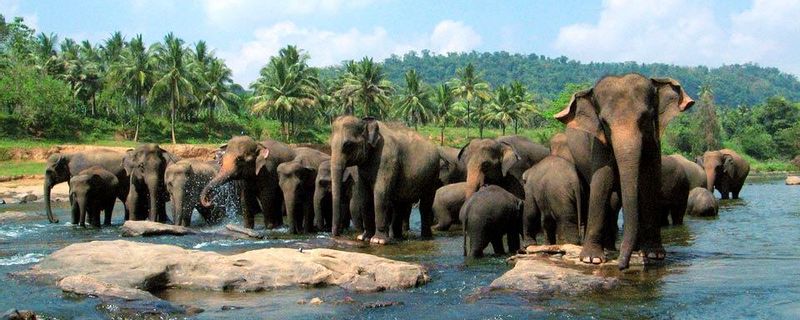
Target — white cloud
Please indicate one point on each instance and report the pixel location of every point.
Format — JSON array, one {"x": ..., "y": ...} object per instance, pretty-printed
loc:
[
  {"x": 328, "y": 47},
  {"x": 227, "y": 12},
  {"x": 10, "y": 9},
  {"x": 687, "y": 32}
]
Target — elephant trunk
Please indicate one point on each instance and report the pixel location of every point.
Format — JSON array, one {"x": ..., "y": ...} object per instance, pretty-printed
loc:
[
  {"x": 475, "y": 178},
  {"x": 154, "y": 196},
  {"x": 319, "y": 196},
  {"x": 628, "y": 157},
  {"x": 223, "y": 176},
  {"x": 49, "y": 181},
  {"x": 337, "y": 185},
  {"x": 179, "y": 215},
  {"x": 711, "y": 177},
  {"x": 83, "y": 210},
  {"x": 293, "y": 212}
]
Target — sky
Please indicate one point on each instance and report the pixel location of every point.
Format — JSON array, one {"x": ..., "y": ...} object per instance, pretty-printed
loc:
[{"x": 247, "y": 32}]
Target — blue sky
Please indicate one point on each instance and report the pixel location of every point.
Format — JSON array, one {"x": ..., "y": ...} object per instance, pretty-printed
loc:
[{"x": 246, "y": 32}]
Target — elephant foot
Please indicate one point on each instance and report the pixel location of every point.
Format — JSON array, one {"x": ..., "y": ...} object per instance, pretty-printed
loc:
[
  {"x": 653, "y": 252},
  {"x": 364, "y": 237},
  {"x": 427, "y": 235},
  {"x": 379, "y": 239},
  {"x": 438, "y": 227},
  {"x": 592, "y": 253}
]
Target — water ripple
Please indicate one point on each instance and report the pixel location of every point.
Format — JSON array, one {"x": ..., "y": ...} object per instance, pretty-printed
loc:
[{"x": 21, "y": 259}]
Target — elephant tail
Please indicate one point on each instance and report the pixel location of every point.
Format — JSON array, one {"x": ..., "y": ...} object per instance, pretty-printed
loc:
[{"x": 579, "y": 206}]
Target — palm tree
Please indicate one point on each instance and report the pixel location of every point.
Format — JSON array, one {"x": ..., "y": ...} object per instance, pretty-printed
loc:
[
  {"x": 364, "y": 84},
  {"x": 523, "y": 104},
  {"x": 44, "y": 53},
  {"x": 468, "y": 86},
  {"x": 443, "y": 99},
  {"x": 173, "y": 76},
  {"x": 414, "y": 101},
  {"x": 135, "y": 73},
  {"x": 217, "y": 89},
  {"x": 285, "y": 86},
  {"x": 501, "y": 109},
  {"x": 111, "y": 50}
]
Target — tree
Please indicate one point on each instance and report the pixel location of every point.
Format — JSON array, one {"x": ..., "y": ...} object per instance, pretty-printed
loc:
[
  {"x": 469, "y": 86},
  {"x": 172, "y": 76},
  {"x": 217, "y": 91},
  {"x": 523, "y": 104},
  {"x": 364, "y": 84},
  {"x": 135, "y": 74},
  {"x": 501, "y": 109},
  {"x": 414, "y": 100},
  {"x": 708, "y": 114}
]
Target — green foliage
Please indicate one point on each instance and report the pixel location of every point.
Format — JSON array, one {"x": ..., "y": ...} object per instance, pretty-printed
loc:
[{"x": 14, "y": 168}]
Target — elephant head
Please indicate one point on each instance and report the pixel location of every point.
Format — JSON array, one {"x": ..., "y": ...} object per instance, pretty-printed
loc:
[
  {"x": 450, "y": 169},
  {"x": 146, "y": 166},
  {"x": 297, "y": 184},
  {"x": 487, "y": 161},
  {"x": 239, "y": 160},
  {"x": 353, "y": 142},
  {"x": 177, "y": 178},
  {"x": 56, "y": 171},
  {"x": 719, "y": 168},
  {"x": 80, "y": 190},
  {"x": 627, "y": 114}
]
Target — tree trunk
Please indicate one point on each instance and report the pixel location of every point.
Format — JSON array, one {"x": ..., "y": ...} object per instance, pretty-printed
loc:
[
  {"x": 172, "y": 122},
  {"x": 441, "y": 136}
]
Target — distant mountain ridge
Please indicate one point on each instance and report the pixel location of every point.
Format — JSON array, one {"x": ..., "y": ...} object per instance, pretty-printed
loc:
[{"x": 732, "y": 85}]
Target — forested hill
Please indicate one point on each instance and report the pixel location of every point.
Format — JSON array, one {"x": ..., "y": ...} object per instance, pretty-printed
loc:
[{"x": 732, "y": 85}]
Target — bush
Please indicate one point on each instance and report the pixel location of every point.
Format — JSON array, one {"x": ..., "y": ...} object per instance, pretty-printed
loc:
[{"x": 756, "y": 142}]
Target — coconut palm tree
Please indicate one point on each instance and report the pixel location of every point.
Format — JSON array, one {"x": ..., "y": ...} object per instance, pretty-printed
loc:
[
  {"x": 172, "y": 76},
  {"x": 216, "y": 91},
  {"x": 364, "y": 83},
  {"x": 523, "y": 104},
  {"x": 501, "y": 110},
  {"x": 443, "y": 100},
  {"x": 45, "y": 55},
  {"x": 414, "y": 100},
  {"x": 135, "y": 74},
  {"x": 469, "y": 87}
]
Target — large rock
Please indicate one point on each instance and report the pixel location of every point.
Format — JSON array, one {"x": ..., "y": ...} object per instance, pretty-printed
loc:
[
  {"x": 148, "y": 228},
  {"x": 792, "y": 180},
  {"x": 128, "y": 270},
  {"x": 18, "y": 216}
]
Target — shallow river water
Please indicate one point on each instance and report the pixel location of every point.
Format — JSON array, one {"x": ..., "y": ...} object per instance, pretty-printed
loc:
[{"x": 743, "y": 264}]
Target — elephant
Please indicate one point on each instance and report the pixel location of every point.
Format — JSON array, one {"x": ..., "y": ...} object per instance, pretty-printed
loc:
[
  {"x": 694, "y": 172},
  {"x": 447, "y": 203},
  {"x": 725, "y": 171},
  {"x": 614, "y": 130},
  {"x": 91, "y": 191},
  {"x": 675, "y": 186},
  {"x": 701, "y": 203},
  {"x": 147, "y": 195},
  {"x": 323, "y": 209},
  {"x": 500, "y": 161},
  {"x": 254, "y": 165},
  {"x": 61, "y": 167},
  {"x": 450, "y": 169},
  {"x": 296, "y": 179},
  {"x": 396, "y": 168},
  {"x": 489, "y": 214},
  {"x": 554, "y": 202},
  {"x": 184, "y": 181}
]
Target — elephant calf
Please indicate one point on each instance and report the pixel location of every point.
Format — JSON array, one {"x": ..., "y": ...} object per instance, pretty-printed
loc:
[
  {"x": 91, "y": 191},
  {"x": 296, "y": 180},
  {"x": 674, "y": 191},
  {"x": 446, "y": 205},
  {"x": 554, "y": 200},
  {"x": 702, "y": 203},
  {"x": 323, "y": 200},
  {"x": 185, "y": 180},
  {"x": 487, "y": 215}
]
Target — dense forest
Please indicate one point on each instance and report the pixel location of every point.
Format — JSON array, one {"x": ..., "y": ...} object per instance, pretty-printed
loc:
[{"x": 125, "y": 89}]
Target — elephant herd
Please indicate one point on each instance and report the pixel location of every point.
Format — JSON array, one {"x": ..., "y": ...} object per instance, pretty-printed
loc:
[{"x": 608, "y": 158}]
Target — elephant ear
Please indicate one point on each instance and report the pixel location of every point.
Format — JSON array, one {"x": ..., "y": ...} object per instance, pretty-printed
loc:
[
  {"x": 672, "y": 99},
  {"x": 348, "y": 175},
  {"x": 581, "y": 114},
  {"x": 128, "y": 160},
  {"x": 171, "y": 158},
  {"x": 463, "y": 154},
  {"x": 510, "y": 157},
  {"x": 699, "y": 160},
  {"x": 727, "y": 164},
  {"x": 261, "y": 158},
  {"x": 371, "y": 131}
]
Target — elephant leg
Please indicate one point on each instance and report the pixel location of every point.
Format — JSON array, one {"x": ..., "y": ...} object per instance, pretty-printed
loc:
[
  {"x": 248, "y": 216},
  {"x": 308, "y": 216},
  {"x": 610, "y": 226},
  {"x": 549, "y": 228},
  {"x": 426, "y": 215},
  {"x": 601, "y": 188},
  {"x": 109, "y": 209},
  {"x": 513, "y": 240},
  {"x": 677, "y": 214},
  {"x": 383, "y": 217},
  {"x": 96, "y": 217},
  {"x": 134, "y": 204},
  {"x": 367, "y": 211},
  {"x": 76, "y": 211},
  {"x": 271, "y": 202},
  {"x": 567, "y": 230},
  {"x": 401, "y": 211},
  {"x": 497, "y": 245},
  {"x": 477, "y": 242}
]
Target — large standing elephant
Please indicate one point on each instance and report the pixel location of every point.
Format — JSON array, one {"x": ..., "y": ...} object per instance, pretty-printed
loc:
[
  {"x": 396, "y": 167},
  {"x": 622, "y": 119},
  {"x": 725, "y": 171},
  {"x": 297, "y": 181},
  {"x": 675, "y": 186},
  {"x": 500, "y": 161},
  {"x": 61, "y": 167},
  {"x": 147, "y": 196},
  {"x": 91, "y": 191},
  {"x": 694, "y": 172},
  {"x": 554, "y": 201},
  {"x": 323, "y": 201},
  {"x": 488, "y": 215},
  {"x": 185, "y": 180},
  {"x": 255, "y": 165}
]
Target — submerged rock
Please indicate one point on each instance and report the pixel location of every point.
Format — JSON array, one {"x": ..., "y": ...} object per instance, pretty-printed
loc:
[
  {"x": 792, "y": 180},
  {"x": 128, "y": 270},
  {"x": 18, "y": 216},
  {"x": 15, "y": 314},
  {"x": 242, "y": 231},
  {"x": 148, "y": 228}
]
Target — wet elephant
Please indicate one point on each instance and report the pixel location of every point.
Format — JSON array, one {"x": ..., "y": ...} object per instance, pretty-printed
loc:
[
  {"x": 91, "y": 191},
  {"x": 500, "y": 161},
  {"x": 726, "y": 171},
  {"x": 396, "y": 167},
  {"x": 621, "y": 119},
  {"x": 185, "y": 180},
  {"x": 323, "y": 209},
  {"x": 254, "y": 165},
  {"x": 61, "y": 167},
  {"x": 675, "y": 187},
  {"x": 447, "y": 203},
  {"x": 488, "y": 215},
  {"x": 147, "y": 195},
  {"x": 554, "y": 202},
  {"x": 701, "y": 203},
  {"x": 296, "y": 179}
]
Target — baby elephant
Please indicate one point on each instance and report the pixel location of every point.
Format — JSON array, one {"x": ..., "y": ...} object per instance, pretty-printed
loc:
[
  {"x": 185, "y": 180},
  {"x": 488, "y": 214},
  {"x": 446, "y": 205},
  {"x": 554, "y": 201},
  {"x": 702, "y": 203},
  {"x": 296, "y": 179},
  {"x": 91, "y": 191}
]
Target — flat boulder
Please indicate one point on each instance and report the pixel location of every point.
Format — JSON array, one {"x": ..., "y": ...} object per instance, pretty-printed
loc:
[
  {"x": 149, "y": 228},
  {"x": 792, "y": 180},
  {"x": 130, "y": 270}
]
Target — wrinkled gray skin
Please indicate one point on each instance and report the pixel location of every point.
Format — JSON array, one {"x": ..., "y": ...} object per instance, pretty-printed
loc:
[
  {"x": 396, "y": 167},
  {"x": 500, "y": 161},
  {"x": 726, "y": 171},
  {"x": 488, "y": 215},
  {"x": 675, "y": 188},
  {"x": 450, "y": 169},
  {"x": 296, "y": 179},
  {"x": 254, "y": 166},
  {"x": 185, "y": 180},
  {"x": 446, "y": 205},
  {"x": 694, "y": 172},
  {"x": 61, "y": 167},
  {"x": 147, "y": 196},
  {"x": 91, "y": 191},
  {"x": 617, "y": 124},
  {"x": 554, "y": 202},
  {"x": 323, "y": 210},
  {"x": 701, "y": 203}
]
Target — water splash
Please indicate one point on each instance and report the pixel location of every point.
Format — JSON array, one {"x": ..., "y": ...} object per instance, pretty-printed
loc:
[{"x": 21, "y": 259}]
